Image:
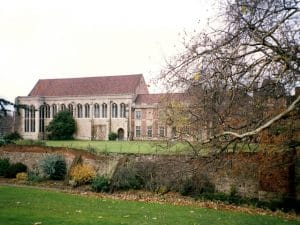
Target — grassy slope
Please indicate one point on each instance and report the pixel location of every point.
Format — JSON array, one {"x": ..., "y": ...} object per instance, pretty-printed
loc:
[
  {"x": 144, "y": 147},
  {"x": 29, "y": 206}
]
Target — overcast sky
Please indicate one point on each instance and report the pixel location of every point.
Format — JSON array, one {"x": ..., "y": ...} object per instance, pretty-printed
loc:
[{"x": 58, "y": 39}]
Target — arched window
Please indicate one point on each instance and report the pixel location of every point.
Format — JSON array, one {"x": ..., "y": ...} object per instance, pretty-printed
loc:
[
  {"x": 122, "y": 110},
  {"x": 29, "y": 119},
  {"x": 47, "y": 111},
  {"x": 32, "y": 119},
  {"x": 104, "y": 110},
  {"x": 114, "y": 110},
  {"x": 26, "y": 119},
  {"x": 54, "y": 110},
  {"x": 70, "y": 109},
  {"x": 96, "y": 110},
  {"x": 79, "y": 111},
  {"x": 42, "y": 119},
  {"x": 86, "y": 110},
  {"x": 63, "y": 107}
]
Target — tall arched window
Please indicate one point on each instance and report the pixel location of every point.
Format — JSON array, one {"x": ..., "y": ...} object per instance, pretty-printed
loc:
[
  {"x": 26, "y": 119},
  {"x": 96, "y": 110},
  {"x": 29, "y": 119},
  {"x": 104, "y": 110},
  {"x": 47, "y": 111},
  {"x": 114, "y": 110},
  {"x": 122, "y": 110},
  {"x": 54, "y": 110},
  {"x": 86, "y": 110},
  {"x": 42, "y": 119},
  {"x": 70, "y": 109},
  {"x": 63, "y": 107},
  {"x": 32, "y": 119},
  {"x": 79, "y": 111}
]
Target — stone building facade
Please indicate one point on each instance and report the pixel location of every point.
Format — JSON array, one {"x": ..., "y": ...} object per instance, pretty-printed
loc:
[{"x": 100, "y": 105}]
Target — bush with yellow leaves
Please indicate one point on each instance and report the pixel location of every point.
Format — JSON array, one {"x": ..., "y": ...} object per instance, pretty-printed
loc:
[
  {"x": 82, "y": 174},
  {"x": 21, "y": 176}
]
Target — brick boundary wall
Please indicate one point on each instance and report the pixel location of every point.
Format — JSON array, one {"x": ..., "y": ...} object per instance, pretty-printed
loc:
[{"x": 264, "y": 176}]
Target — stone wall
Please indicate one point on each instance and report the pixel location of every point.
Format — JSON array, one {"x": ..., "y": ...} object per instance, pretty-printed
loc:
[
  {"x": 6, "y": 125},
  {"x": 251, "y": 175}
]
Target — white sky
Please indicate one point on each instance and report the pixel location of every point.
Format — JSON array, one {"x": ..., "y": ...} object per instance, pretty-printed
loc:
[{"x": 42, "y": 39}]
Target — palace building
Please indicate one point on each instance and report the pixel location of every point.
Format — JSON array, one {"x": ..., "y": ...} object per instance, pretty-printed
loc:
[{"x": 100, "y": 105}]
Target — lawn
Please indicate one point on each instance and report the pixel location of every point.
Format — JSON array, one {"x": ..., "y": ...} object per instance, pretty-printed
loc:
[
  {"x": 143, "y": 147},
  {"x": 19, "y": 206}
]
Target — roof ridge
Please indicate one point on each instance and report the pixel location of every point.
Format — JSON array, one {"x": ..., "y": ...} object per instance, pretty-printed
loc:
[
  {"x": 121, "y": 84},
  {"x": 104, "y": 76}
]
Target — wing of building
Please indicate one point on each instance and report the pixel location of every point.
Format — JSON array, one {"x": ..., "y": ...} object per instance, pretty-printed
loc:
[{"x": 100, "y": 105}]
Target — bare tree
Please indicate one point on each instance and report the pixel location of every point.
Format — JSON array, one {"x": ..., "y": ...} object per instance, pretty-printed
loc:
[
  {"x": 237, "y": 77},
  {"x": 4, "y": 106}
]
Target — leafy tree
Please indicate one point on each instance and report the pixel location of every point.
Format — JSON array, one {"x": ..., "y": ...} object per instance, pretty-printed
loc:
[
  {"x": 11, "y": 137},
  {"x": 237, "y": 76},
  {"x": 62, "y": 127}
]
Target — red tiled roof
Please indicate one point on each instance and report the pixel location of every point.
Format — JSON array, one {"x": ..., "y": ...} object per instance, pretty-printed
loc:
[
  {"x": 87, "y": 86},
  {"x": 150, "y": 99}
]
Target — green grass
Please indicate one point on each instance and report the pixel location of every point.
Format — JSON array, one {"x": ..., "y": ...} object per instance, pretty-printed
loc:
[
  {"x": 19, "y": 206},
  {"x": 137, "y": 147},
  {"x": 143, "y": 147}
]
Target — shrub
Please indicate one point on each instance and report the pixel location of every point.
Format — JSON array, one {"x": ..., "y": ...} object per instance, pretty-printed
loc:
[
  {"x": 286, "y": 204},
  {"x": 126, "y": 177},
  {"x": 100, "y": 184},
  {"x": 34, "y": 177},
  {"x": 21, "y": 176},
  {"x": 91, "y": 149},
  {"x": 62, "y": 127},
  {"x": 82, "y": 174},
  {"x": 145, "y": 172},
  {"x": 11, "y": 137},
  {"x": 4, "y": 165},
  {"x": 54, "y": 167},
  {"x": 2, "y": 142},
  {"x": 112, "y": 136},
  {"x": 14, "y": 169},
  {"x": 196, "y": 185}
]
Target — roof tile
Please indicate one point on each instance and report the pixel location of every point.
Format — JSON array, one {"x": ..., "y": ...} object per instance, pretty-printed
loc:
[
  {"x": 126, "y": 84},
  {"x": 150, "y": 99}
]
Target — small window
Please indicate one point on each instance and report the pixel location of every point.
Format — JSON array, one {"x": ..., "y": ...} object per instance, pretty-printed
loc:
[
  {"x": 32, "y": 119},
  {"x": 26, "y": 121},
  {"x": 173, "y": 132},
  {"x": 161, "y": 131},
  {"x": 149, "y": 131},
  {"x": 47, "y": 111},
  {"x": 54, "y": 110},
  {"x": 42, "y": 119},
  {"x": 104, "y": 110},
  {"x": 138, "y": 115},
  {"x": 96, "y": 110},
  {"x": 86, "y": 110},
  {"x": 70, "y": 109},
  {"x": 63, "y": 107},
  {"x": 122, "y": 110},
  {"x": 79, "y": 111},
  {"x": 138, "y": 131},
  {"x": 114, "y": 110}
]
